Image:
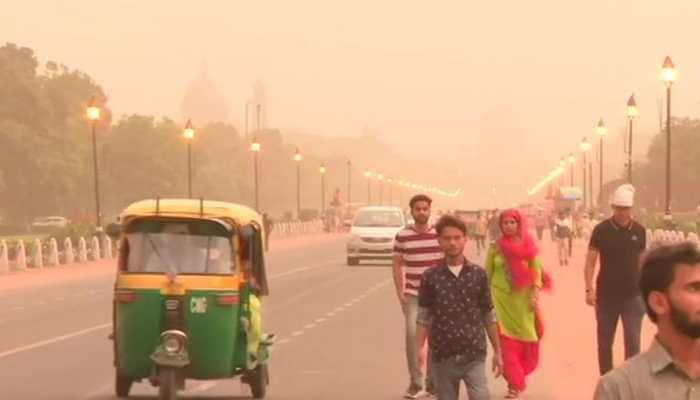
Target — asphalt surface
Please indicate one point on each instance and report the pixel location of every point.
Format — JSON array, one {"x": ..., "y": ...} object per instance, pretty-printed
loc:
[{"x": 339, "y": 329}]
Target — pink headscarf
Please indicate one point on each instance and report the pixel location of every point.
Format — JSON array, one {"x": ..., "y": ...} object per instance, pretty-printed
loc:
[{"x": 518, "y": 254}]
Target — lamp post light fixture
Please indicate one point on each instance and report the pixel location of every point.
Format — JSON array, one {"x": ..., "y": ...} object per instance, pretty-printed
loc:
[
  {"x": 93, "y": 114},
  {"x": 632, "y": 112},
  {"x": 390, "y": 182},
  {"x": 297, "y": 158},
  {"x": 322, "y": 171},
  {"x": 255, "y": 147},
  {"x": 585, "y": 148},
  {"x": 368, "y": 176},
  {"x": 572, "y": 162},
  {"x": 668, "y": 76},
  {"x": 602, "y": 131},
  {"x": 188, "y": 134},
  {"x": 349, "y": 164}
]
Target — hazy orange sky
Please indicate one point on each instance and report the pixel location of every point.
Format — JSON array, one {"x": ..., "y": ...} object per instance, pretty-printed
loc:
[{"x": 421, "y": 74}]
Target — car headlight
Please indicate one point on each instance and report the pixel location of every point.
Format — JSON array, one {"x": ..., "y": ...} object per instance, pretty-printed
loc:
[{"x": 173, "y": 341}]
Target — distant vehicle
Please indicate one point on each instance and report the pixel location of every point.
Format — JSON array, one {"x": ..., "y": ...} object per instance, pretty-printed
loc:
[
  {"x": 49, "y": 223},
  {"x": 372, "y": 233}
]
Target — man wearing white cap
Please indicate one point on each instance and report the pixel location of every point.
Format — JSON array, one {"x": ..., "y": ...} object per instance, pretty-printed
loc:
[{"x": 620, "y": 242}]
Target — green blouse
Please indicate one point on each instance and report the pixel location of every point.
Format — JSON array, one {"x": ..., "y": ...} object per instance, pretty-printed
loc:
[{"x": 516, "y": 317}]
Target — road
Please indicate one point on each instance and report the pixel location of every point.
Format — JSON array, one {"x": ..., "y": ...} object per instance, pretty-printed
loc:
[{"x": 339, "y": 332}]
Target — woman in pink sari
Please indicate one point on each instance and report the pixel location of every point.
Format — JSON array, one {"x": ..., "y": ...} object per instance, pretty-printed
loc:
[{"x": 516, "y": 277}]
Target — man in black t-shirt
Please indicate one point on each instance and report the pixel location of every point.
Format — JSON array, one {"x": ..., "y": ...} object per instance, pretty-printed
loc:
[{"x": 619, "y": 241}]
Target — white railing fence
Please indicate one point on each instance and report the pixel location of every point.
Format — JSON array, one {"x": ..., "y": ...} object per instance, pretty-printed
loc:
[
  {"x": 662, "y": 237},
  {"x": 39, "y": 254}
]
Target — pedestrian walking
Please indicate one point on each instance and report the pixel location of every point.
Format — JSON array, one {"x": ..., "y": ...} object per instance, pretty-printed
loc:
[
  {"x": 416, "y": 250},
  {"x": 494, "y": 229},
  {"x": 563, "y": 232},
  {"x": 540, "y": 223},
  {"x": 618, "y": 242},
  {"x": 456, "y": 313},
  {"x": 516, "y": 278},
  {"x": 669, "y": 369},
  {"x": 482, "y": 227},
  {"x": 268, "y": 226}
]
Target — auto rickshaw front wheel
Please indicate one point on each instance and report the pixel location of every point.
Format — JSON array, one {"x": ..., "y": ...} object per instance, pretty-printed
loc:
[
  {"x": 167, "y": 384},
  {"x": 122, "y": 385},
  {"x": 259, "y": 378}
]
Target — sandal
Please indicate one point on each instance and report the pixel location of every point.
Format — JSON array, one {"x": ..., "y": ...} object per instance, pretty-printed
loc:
[{"x": 513, "y": 394}]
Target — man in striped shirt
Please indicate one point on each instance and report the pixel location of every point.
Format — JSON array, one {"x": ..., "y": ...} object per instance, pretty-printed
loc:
[{"x": 416, "y": 249}]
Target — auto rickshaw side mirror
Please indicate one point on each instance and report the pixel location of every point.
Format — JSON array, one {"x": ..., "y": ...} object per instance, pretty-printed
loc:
[{"x": 113, "y": 230}]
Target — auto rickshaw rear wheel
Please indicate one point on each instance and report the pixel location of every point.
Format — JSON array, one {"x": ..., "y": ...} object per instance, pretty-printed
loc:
[
  {"x": 167, "y": 384},
  {"x": 259, "y": 379},
  {"x": 122, "y": 385}
]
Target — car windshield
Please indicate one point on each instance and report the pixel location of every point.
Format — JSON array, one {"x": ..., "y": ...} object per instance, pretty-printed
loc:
[
  {"x": 179, "y": 247},
  {"x": 378, "y": 218}
]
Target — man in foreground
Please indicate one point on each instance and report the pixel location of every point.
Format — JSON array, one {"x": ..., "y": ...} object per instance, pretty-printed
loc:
[
  {"x": 670, "y": 369},
  {"x": 455, "y": 311}
]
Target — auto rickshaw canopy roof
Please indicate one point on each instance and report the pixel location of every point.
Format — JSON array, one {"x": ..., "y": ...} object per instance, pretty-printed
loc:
[{"x": 191, "y": 208}]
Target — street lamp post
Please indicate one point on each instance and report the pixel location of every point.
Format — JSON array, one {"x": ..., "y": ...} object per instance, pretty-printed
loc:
[
  {"x": 368, "y": 176},
  {"x": 380, "y": 178},
  {"x": 322, "y": 170},
  {"x": 93, "y": 114},
  {"x": 349, "y": 164},
  {"x": 562, "y": 170},
  {"x": 188, "y": 134},
  {"x": 298, "y": 157},
  {"x": 585, "y": 148},
  {"x": 572, "y": 162},
  {"x": 601, "y": 130},
  {"x": 632, "y": 112},
  {"x": 668, "y": 75},
  {"x": 390, "y": 183},
  {"x": 255, "y": 147}
]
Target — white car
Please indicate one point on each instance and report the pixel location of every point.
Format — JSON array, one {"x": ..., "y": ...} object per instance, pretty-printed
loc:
[{"x": 372, "y": 233}]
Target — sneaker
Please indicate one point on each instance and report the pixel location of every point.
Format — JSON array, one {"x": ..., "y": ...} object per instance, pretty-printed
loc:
[{"x": 413, "y": 392}]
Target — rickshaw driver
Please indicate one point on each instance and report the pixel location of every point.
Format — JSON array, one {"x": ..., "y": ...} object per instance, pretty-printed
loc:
[{"x": 254, "y": 326}]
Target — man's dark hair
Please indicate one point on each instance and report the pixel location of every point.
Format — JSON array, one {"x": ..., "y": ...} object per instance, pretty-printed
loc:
[
  {"x": 659, "y": 269},
  {"x": 419, "y": 197},
  {"x": 452, "y": 222}
]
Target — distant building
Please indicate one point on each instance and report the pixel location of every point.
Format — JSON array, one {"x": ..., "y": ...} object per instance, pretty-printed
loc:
[{"x": 204, "y": 102}]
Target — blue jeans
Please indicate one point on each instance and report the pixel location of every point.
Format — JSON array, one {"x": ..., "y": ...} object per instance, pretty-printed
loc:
[
  {"x": 448, "y": 375},
  {"x": 608, "y": 312}
]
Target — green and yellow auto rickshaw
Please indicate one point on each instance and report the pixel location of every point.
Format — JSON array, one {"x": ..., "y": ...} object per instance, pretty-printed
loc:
[{"x": 186, "y": 296}]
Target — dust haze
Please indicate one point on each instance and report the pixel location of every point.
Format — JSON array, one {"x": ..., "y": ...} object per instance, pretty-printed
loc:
[{"x": 496, "y": 92}]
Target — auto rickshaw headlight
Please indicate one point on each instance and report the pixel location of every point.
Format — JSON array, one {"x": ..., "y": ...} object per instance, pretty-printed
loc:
[{"x": 173, "y": 341}]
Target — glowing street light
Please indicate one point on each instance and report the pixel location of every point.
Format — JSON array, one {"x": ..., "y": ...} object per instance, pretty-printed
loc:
[
  {"x": 322, "y": 171},
  {"x": 632, "y": 112},
  {"x": 93, "y": 114},
  {"x": 368, "y": 176},
  {"x": 602, "y": 131},
  {"x": 188, "y": 134},
  {"x": 585, "y": 148},
  {"x": 668, "y": 76},
  {"x": 297, "y": 158},
  {"x": 572, "y": 161}
]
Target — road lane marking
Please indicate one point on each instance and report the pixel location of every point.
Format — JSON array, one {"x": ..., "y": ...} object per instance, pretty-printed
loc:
[
  {"x": 309, "y": 326},
  {"x": 57, "y": 339},
  {"x": 283, "y": 341},
  {"x": 318, "y": 320},
  {"x": 298, "y": 333},
  {"x": 97, "y": 392}
]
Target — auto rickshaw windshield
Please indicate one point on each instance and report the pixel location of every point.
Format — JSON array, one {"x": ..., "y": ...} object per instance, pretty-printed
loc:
[{"x": 179, "y": 247}]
